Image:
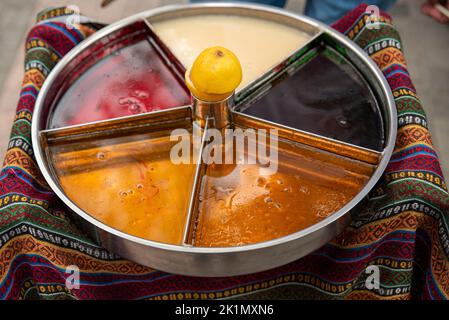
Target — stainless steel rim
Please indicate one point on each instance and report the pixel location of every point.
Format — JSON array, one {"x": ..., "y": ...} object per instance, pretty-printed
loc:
[{"x": 373, "y": 69}]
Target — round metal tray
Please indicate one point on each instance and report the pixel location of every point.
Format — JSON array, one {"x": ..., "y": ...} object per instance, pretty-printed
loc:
[{"x": 218, "y": 261}]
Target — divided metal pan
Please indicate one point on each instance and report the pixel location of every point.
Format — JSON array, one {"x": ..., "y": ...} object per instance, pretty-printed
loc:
[{"x": 357, "y": 134}]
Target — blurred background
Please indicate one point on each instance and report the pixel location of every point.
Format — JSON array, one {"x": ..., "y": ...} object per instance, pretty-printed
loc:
[{"x": 425, "y": 43}]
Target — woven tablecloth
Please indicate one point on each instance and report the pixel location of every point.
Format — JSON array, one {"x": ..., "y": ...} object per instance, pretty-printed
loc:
[{"x": 403, "y": 228}]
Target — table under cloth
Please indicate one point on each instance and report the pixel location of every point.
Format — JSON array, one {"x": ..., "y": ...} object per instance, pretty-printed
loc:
[{"x": 403, "y": 228}]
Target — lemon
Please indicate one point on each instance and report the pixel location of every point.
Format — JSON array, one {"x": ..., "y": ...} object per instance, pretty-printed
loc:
[{"x": 214, "y": 75}]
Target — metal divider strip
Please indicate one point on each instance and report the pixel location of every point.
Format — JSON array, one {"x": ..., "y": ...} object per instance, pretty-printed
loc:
[
  {"x": 273, "y": 73},
  {"x": 192, "y": 214},
  {"x": 313, "y": 140},
  {"x": 164, "y": 51},
  {"x": 157, "y": 120}
]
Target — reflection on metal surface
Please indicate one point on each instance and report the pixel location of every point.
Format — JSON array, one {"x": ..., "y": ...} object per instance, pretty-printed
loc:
[{"x": 218, "y": 112}]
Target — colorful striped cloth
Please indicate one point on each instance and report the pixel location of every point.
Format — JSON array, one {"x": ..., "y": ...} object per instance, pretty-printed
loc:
[{"x": 403, "y": 229}]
